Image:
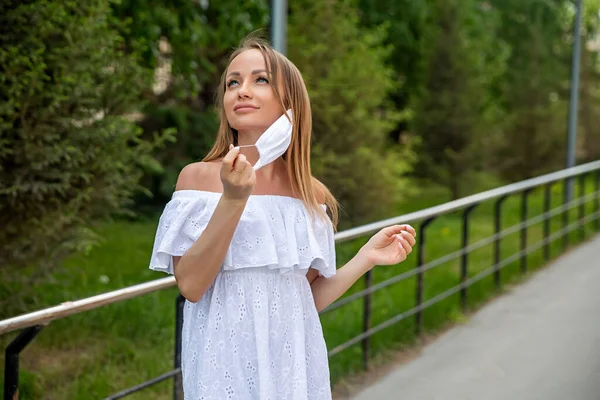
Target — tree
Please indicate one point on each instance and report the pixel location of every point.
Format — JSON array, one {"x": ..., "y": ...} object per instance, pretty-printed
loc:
[
  {"x": 589, "y": 110},
  {"x": 70, "y": 152},
  {"x": 192, "y": 40},
  {"x": 344, "y": 66},
  {"x": 406, "y": 23},
  {"x": 456, "y": 112},
  {"x": 535, "y": 87}
]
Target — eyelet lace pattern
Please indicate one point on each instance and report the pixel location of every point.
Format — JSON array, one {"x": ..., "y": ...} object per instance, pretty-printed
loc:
[{"x": 255, "y": 334}]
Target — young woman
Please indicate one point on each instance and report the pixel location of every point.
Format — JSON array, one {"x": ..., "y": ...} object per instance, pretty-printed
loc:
[{"x": 249, "y": 240}]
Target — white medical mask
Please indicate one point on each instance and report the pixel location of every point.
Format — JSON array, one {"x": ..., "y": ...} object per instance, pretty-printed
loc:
[{"x": 274, "y": 141}]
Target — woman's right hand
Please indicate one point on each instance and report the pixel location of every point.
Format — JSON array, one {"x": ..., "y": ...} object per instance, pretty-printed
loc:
[{"x": 237, "y": 175}]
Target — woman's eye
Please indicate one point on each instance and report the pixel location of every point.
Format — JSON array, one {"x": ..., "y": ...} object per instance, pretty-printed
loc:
[
  {"x": 231, "y": 82},
  {"x": 262, "y": 78}
]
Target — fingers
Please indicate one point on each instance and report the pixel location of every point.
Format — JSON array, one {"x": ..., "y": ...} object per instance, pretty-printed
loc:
[
  {"x": 409, "y": 229},
  {"x": 240, "y": 163},
  {"x": 392, "y": 230},
  {"x": 402, "y": 241},
  {"x": 247, "y": 172},
  {"x": 408, "y": 237},
  {"x": 397, "y": 229},
  {"x": 230, "y": 157},
  {"x": 234, "y": 162},
  {"x": 237, "y": 175}
]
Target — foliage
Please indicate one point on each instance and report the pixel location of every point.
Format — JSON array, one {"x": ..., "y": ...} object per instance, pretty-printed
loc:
[
  {"x": 407, "y": 23},
  {"x": 456, "y": 114},
  {"x": 69, "y": 151},
  {"x": 191, "y": 40},
  {"x": 349, "y": 83},
  {"x": 535, "y": 87},
  {"x": 589, "y": 102}
]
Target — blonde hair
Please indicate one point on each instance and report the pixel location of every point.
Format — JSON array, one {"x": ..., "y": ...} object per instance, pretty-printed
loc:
[{"x": 297, "y": 157}]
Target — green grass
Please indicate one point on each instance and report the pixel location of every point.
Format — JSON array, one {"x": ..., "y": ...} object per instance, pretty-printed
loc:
[{"x": 100, "y": 352}]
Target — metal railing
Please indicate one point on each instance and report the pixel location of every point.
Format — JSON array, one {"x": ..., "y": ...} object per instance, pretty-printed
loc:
[{"x": 31, "y": 324}]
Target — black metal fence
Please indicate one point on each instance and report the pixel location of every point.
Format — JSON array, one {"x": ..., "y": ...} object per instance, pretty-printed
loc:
[
  {"x": 32, "y": 324},
  {"x": 465, "y": 207}
]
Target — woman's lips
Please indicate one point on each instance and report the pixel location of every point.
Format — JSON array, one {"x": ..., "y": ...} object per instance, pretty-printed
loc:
[{"x": 244, "y": 108}]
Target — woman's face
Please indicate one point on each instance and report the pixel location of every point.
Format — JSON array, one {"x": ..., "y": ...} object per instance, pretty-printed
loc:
[{"x": 250, "y": 102}]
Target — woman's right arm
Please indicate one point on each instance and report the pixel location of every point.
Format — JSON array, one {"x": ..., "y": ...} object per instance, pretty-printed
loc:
[{"x": 197, "y": 269}]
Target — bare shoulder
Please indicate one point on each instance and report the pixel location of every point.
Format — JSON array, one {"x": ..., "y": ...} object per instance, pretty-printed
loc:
[{"x": 200, "y": 176}]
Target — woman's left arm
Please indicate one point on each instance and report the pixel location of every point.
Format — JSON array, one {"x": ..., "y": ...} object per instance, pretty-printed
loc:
[{"x": 389, "y": 246}]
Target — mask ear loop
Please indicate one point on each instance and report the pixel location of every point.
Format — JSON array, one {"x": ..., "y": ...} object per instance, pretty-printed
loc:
[{"x": 247, "y": 145}]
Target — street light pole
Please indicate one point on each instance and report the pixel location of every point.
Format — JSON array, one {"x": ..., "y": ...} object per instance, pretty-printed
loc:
[
  {"x": 279, "y": 25},
  {"x": 574, "y": 100}
]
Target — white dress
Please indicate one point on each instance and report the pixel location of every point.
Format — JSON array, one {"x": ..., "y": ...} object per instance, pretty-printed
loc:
[{"x": 256, "y": 333}]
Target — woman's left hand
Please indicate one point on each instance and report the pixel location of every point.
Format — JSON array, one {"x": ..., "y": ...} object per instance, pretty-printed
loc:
[{"x": 389, "y": 246}]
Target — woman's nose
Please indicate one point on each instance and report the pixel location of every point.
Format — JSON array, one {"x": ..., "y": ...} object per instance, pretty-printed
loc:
[{"x": 244, "y": 90}]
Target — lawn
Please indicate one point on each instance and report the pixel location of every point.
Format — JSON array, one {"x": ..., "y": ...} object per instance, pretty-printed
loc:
[{"x": 100, "y": 352}]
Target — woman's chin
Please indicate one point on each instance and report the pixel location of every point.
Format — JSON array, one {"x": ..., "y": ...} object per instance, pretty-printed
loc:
[{"x": 250, "y": 129}]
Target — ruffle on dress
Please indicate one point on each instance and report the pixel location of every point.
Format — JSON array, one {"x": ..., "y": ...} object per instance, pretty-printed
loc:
[{"x": 274, "y": 231}]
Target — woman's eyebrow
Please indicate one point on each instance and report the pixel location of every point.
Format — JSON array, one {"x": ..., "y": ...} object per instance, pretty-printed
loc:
[{"x": 256, "y": 71}]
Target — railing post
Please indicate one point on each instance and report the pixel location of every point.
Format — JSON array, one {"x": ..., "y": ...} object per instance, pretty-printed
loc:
[
  {"x": 464, "y": 271},
  {"x": 497, "y": 249},
  {"x": 565, "y": 215},
  {"x": 547, "y": 202},
  {"x": 177, "y": 381},
  {"x": 524, "y": 230},
  {"x": 367, "y": 319},
  {"x": 597, "y": 200},
  {"x": 581, "y": 206},
  {"x": 11, "y": 361},
  {"x": 420, "y": 263}
]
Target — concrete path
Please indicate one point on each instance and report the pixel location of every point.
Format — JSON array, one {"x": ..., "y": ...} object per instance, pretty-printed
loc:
[{"x": 541, "y": 341}]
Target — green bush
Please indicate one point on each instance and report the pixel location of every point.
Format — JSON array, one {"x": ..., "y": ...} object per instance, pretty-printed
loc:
[
  {"x": 457, "y": 118},
  {"x": 348, "y": 81},
  {"x": 192, "y": 39},
  {"x": 70, "y": 150}
]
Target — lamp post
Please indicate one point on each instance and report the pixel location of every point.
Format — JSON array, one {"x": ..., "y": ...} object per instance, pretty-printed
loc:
[
  {"x": 279, "y": 25},
  {"x": 573, "y": 102}
]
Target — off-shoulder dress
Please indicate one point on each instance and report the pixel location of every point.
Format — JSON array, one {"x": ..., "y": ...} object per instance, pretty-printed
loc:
[{"x": 255, "y": 333}]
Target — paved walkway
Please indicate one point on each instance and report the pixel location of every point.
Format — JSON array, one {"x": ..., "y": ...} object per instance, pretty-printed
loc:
[{"x": 541, "y": 341}]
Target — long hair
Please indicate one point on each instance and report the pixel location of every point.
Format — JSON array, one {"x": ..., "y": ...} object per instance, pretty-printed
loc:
[{"x": 295, "y": 97}]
